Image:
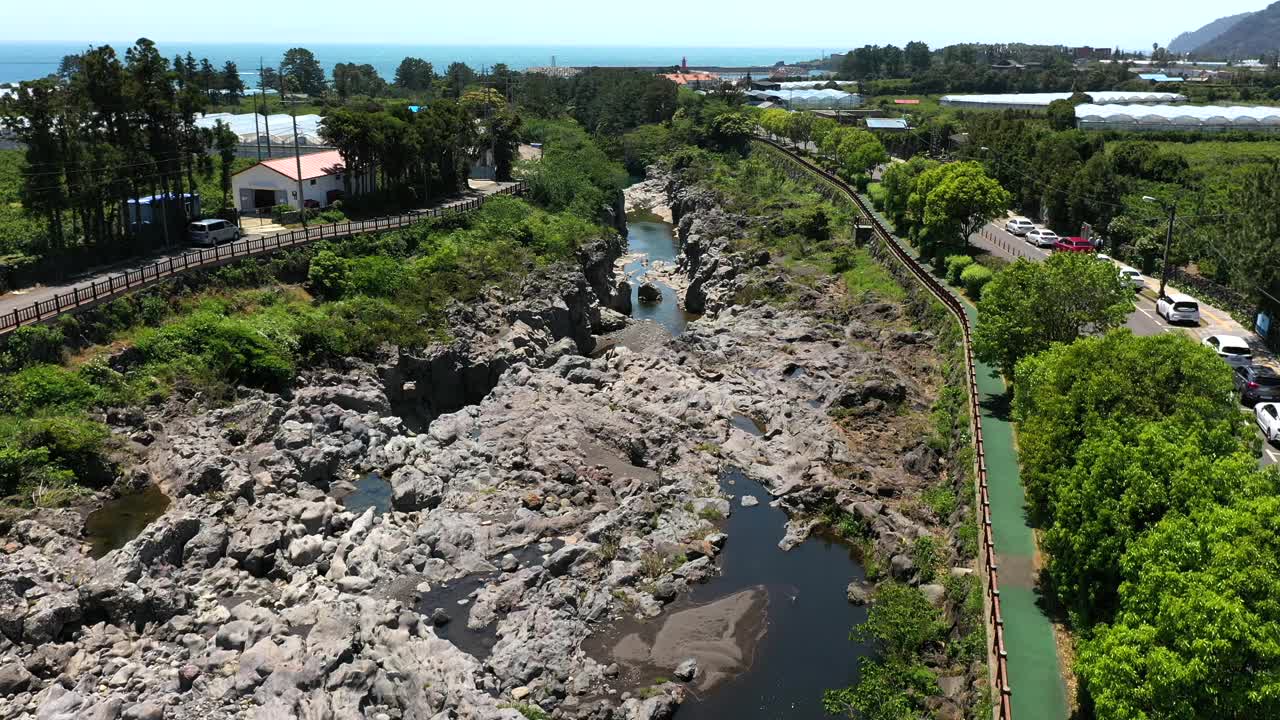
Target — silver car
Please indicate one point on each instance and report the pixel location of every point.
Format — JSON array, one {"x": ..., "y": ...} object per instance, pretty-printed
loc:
[
  {"x": 1042, "y": 238},
  {"x": 213, "y": 231},
  {"x": 1019, "y": 226}
]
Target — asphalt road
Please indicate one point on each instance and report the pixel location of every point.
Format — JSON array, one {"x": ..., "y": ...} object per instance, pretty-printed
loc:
[{"x": 1143, "y": 320}]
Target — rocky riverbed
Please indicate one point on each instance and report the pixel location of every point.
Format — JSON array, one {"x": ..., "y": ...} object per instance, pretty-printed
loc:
[{"x": 541, "y": 493}]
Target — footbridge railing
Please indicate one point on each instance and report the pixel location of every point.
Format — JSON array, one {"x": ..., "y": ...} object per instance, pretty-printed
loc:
[
  {"x": 995, "y": 620},
  {"x": 113, "y": 286}
]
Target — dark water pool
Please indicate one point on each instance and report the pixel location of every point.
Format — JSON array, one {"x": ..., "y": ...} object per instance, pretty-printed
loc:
[
  {"x": 372, "y": 491},
  {"x": 655, "y": 241},
  {"x": 120, "y": 520},
  {"x": 805, "y": 648}
]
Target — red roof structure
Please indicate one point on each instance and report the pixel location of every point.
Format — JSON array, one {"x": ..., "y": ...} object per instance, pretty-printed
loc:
[
  {"x": 906, "y": 101},
  {"x": 314, "y": 165},
  {"x": 684, "y": 78}
]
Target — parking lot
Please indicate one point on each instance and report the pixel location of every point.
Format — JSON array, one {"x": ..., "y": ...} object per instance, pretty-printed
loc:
[{"x": 1143, "y": 321}]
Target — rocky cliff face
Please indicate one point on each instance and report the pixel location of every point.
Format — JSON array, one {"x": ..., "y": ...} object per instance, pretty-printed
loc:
[
  {"x": 549, "y": 495},
  {"x": 556, "y": 311}
]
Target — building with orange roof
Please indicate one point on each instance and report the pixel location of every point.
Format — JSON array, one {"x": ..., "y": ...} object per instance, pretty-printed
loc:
[{"x": 686, "y": 78}]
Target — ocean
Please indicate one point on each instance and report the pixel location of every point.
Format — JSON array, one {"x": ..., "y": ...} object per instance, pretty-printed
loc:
[{"x": 27, "y": 61}]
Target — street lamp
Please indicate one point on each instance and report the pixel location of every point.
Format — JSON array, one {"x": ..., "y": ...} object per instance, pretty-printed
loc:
[{"x": 1172, "y": 209}]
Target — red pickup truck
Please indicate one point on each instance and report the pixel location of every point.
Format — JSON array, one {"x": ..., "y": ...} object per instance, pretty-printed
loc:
[{"x": 1074, "y": 244}]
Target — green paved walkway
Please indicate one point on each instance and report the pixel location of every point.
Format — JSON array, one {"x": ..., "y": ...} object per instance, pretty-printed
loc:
[{"x": 1034, "y": 675}]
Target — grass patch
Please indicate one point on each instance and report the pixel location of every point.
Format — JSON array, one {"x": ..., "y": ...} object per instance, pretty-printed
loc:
[{"x": 863, "y": 276}]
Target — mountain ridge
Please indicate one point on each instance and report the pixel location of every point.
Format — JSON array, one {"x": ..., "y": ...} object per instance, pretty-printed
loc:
[
  {"x": 1258, "y": 34},
  {"x": 1193, "y": 40}
]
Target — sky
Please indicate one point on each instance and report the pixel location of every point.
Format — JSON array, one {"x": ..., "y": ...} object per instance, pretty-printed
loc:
[{"x": 832, "y": 24}]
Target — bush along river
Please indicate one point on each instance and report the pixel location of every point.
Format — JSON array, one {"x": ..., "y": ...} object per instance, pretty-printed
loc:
[{"x": 575, "y": 496}]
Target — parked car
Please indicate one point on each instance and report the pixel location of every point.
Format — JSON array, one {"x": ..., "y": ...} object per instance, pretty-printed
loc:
[
  {"x": 1268, "y": 417},
  {"x": 1133, "y": 277},
  {"x": 1073, "y": 244},
  {"x": 1231, "y": 348},
  {"x": 1257, "y": 383},
  {"x": 1103, "y": 256},
  {"x": 1019, "y": 226},
  {"x": 212, "y": 232},
  {"x": 1042, "y": 238},
  {"x": 1178, "y": 308}
]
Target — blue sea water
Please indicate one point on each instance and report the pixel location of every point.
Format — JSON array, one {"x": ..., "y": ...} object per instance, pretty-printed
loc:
[{"x": 26, "y": 61}]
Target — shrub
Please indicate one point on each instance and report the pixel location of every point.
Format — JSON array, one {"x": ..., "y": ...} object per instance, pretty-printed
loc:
[
  {"x": 41, "y": 387},
  {"x": 901, "y": 622},
  {"x": 975, "y": 277},
  {"x": 957, "y": 264},
  {"x": 327, "y": 275},
  {"x": 70, "y": 443},
  {"x": 32, "y": 344},
  {"x": 926, "y": 556}
]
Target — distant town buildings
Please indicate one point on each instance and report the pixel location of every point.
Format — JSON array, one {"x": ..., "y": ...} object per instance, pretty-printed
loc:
[{"x": 556, "y": 71}]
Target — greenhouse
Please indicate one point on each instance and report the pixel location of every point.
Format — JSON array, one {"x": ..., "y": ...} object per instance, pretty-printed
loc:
[
  {"x": 809, "y": 98},
  {"x": 1032, "y": 101},
  {"x": 277, "y": 129},
  {"x": 1202, "y": 118}
]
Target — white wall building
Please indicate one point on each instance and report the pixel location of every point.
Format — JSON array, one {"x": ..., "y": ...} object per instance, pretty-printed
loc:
[{"x": 275, "y": 182}]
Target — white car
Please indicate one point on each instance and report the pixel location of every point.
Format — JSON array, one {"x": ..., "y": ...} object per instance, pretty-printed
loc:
[
  {"x": 1268, "y": 416},
  {"x": 1103, "y": 256},
  {"x": 1133, "y": 277},
  {"x": 1019, "y": 226},
  {"x": 1234, "y": 350},
  {"x": 1178, "y": 308},
  {"x": 1042, "y": 238},
  {"x": 212, "y": 232}
]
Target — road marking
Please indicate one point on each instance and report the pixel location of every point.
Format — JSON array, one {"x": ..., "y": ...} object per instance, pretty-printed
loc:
[{"x": 1271, "y": 453}]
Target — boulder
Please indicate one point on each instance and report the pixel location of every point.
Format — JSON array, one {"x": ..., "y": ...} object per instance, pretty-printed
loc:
[
  {"x": 411, "y": 489},
  {"x": 857, "y": 593},
  {"x": 902, "y": 568},
  {"x": 649, "y": 293},
  {"x": 14, "y": 678},
  {"x": 687, "y": 670}
]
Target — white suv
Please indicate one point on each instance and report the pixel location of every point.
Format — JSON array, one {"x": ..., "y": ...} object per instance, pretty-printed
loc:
[
  {"x": 1234, "y": 350},
  {"x": 212, "y": 232},
  {"x": 1019, "y": 226},
  {"x": 1178, "y": 308}
]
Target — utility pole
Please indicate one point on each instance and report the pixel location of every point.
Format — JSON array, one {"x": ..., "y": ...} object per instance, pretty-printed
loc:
[
  {"x": 266, "y": 111},
  {"x": 1172, "y": 209},
  {"x": 297, "y": 157}
]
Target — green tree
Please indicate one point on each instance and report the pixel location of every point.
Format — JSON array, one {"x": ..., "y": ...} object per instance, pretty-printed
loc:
[
  {"x": 231, "y": 84},
  {"x": 302, "y": 72},
  {"x": 884, "y": 691},
  {"x": 1124, "y": 480},
  {"x": 918, "y": 56},
  {"x": 327, "y": 274},
  {"x": 414, "y": 74},
  {"x": 1028, "y": 306},
  {"x": 731, "y": 131},
  {"x": 1062, "y": 115},
  {"x": 350, "y": 79},
  {"x": 899, "y": 182},
  {"x": 1198, "y": 634},
  {"x": 901, "y": 623},
  {"x": 952, "y": 202},
  {"x": 457, "y": 77},
  {"x": 1066, "y": 393},
  {"x": 225, "y": 141}
]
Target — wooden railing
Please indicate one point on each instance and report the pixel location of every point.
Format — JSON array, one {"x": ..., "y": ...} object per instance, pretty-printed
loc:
[
  {"x": 995, "y": 620},
  {"x": 113, "y": 286}
]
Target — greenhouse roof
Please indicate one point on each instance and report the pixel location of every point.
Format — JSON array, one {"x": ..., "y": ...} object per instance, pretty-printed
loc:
[
  {"x": 1179, "y": 115},
  {"x": 1043, "y": 99},
  {"x": 279, "y": 128}
]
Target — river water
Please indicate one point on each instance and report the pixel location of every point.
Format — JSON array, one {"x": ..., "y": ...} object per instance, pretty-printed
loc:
[
  {"x": 120, "y": 520},
  {"x": 788, "y": 636}
]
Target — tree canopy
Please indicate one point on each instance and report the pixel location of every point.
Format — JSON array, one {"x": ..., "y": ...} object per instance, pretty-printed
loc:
[
  {"x": 301, "y": 72},
  {"x": 951, "y": 202},
  {"x": 1028, "y": 306}
]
